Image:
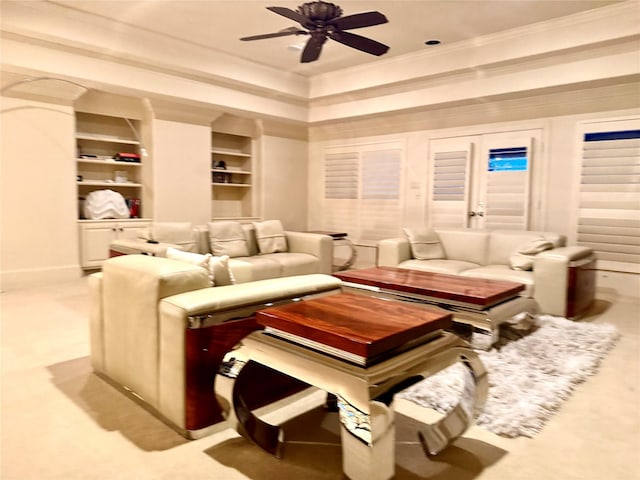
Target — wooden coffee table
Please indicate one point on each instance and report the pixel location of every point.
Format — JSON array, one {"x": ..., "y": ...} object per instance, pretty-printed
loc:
[
  {"x": 480, "y": 304},
  {"x": 363, "y": 350}
]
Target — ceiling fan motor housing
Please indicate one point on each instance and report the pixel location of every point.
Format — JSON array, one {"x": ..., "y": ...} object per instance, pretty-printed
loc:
[{"x": 320, "y": 11}]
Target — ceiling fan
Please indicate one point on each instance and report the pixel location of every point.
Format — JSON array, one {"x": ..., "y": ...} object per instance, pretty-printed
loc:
[{"x": 323, "y": 20}]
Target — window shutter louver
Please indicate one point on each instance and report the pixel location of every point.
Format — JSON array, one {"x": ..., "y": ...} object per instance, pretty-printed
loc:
[
  {"x": 449, "y": 199},
  {"x": 507, "y": 189},
  {"x": 609, "y": 202},
  {"x": 362, "y": 193}
]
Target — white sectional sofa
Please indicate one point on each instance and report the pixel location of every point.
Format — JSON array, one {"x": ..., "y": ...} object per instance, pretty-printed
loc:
[
  {"x": 560, "y": 278},
  {"x": 256, "y": 251}
]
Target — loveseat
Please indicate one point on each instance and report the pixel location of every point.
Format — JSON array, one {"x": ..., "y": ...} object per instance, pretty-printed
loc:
[
  {"x": 256, "y": 250},
  {"x": 159, "y": 331},
  {"x": 560, "y": 278}
]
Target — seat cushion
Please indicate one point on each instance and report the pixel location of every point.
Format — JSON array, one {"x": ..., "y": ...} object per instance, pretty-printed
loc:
[
  {"x": 452, "y": 267},
  {"x": 262, "y": 266},
  {"x": 295, "y": 263}
]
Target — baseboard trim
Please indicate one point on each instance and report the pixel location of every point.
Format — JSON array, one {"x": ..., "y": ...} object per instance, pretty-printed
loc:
[{"x": 33, "y": 277}]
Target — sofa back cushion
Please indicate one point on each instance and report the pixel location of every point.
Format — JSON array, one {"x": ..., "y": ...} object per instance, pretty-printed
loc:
[
  {"x": 466, "y": 244},
  {"x": 228, "y": 238},
  {"x": 270, "y": 236},
  {"x": 506, "y": 243},
  {"x": 176, "y": 233},
  {"x": 425, "y": 243}
]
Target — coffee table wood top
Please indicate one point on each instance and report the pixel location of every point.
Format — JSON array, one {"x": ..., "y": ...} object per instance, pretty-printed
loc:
[
  {"x": 475, "y": 291},
  {"x": 358, "y": 324}
]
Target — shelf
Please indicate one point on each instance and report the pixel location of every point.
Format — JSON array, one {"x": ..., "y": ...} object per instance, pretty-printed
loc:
[
  {"x": 106, "y": 138},
  {"x": 220, "y": 184},
  {"x": 232, "y": 172},
  {"x": 233, "y": 153},
  {"x": 108, "y": 161},
  {"x": 99, "y": 183}
]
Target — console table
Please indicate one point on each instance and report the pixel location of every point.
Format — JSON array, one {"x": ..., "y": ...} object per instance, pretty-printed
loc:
[{"x": 363, "y": 350}]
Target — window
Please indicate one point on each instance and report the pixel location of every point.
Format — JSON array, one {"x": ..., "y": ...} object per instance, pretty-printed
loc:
[
  {"x": 609, "y": 200},
  {"x": 363, "y": 192}
]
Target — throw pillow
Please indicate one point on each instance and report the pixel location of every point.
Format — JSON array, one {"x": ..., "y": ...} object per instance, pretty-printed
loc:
[
  {"x": 270, "y": 236},
  {"x": 227, "y": 238},
  {"x": 425, "y": 243},
  {"x": 192, "y": 258},
  {"x": 523, "y": 258},
  {"x": 220, "y": 272}
]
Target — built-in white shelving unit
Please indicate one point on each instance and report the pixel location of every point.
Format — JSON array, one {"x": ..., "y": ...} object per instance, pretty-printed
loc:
[{"x": 232, "y": 176}]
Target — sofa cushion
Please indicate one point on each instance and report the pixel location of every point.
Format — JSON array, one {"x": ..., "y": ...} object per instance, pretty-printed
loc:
[
  {"x": 425, "y": 243},
  {"x": 250, "y": 236},
  {"x": 468, "y": 245},
  {"x": 505, "y": 243},
  {"x": 177, "y": 233},
  {"x": 292, "y": 264},
  {"x": 262, "y": 266},
  {"x": 524, "y": 257},
  {"x": 270, "y": 236},
  {"x": 452, "y": 267},
  {"x": 228, "y": 238},
  {"x": 217, "y": 267}
]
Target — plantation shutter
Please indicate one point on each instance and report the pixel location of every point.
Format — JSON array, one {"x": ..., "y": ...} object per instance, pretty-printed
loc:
[
  {"x": 609, "y": 201},
  {"x": 507, "y": 189},
  {"x": 380, "y": 204},
  {"x": 450, "y": 189},
  {"x": 362, "y": 192},
  {"x": 342, "y": 173}
]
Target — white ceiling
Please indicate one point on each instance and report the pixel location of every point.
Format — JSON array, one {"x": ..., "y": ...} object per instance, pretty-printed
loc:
[{"x": 218, "y": 25}]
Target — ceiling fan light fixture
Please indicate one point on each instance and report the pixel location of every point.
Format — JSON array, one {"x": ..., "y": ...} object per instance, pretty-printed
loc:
[{"x": 322, "y": 21}]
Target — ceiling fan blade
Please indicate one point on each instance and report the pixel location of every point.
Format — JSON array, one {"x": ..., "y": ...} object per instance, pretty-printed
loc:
[
  {"x": 313, "y": 47},
  {"x": 360, "y": 43},
  {"x": 358, "y": 20},
  {"x": 283, "y": 33},
  {"x": 292, "y": 15}
]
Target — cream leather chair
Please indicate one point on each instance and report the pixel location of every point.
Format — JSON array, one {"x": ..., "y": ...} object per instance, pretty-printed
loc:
[{"x": 160, "y": 332}]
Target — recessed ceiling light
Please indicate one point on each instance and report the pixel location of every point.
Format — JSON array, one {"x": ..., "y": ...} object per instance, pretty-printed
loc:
[
  {"x": 432, "y": 42},
  {"x": 296, "y": 47}
]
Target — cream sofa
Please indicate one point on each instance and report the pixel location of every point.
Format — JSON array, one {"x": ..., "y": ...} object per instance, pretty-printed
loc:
[
  {"x": 560, "y": 278},
  {"x": 159, "y": 331},
  {"x": 300, "y": 253}
]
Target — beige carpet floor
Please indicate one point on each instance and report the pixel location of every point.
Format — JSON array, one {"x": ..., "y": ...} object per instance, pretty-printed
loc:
[{"x": 60, "y": 421}]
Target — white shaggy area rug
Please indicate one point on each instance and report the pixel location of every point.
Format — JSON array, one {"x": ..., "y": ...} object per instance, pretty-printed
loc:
[{"x": 529, "y": 378}]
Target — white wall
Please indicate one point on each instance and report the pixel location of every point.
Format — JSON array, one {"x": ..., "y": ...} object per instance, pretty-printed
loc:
[
  {"x": 38, "y": 210},
  {"x": 181, "y": 172},
  {"x": 284, "y": 181}
]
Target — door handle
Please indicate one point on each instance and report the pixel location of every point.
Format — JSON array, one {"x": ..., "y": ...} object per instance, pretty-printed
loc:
[{"x": 476, "y": 214}]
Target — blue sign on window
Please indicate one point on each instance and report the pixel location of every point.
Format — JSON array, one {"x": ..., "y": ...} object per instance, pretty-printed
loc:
[{"x": 508, "y": 159}]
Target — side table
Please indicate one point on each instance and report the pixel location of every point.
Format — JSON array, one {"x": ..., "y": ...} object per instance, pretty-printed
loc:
[{"x": 340, "y": 240}]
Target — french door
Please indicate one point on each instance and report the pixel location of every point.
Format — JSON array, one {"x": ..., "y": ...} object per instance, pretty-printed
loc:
[{"x": 482, "y": 181}]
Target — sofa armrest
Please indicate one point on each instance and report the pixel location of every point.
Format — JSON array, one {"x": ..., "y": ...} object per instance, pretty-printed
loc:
[
  {"x": 132, "y": 246},
  {"x": 555, "y": 279},
  {"x": 318, "y": 245},
  {"x": 224, "y": 310},
  {"x": 96, "y": 322},
  {"x": 393, "y": 251}
]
